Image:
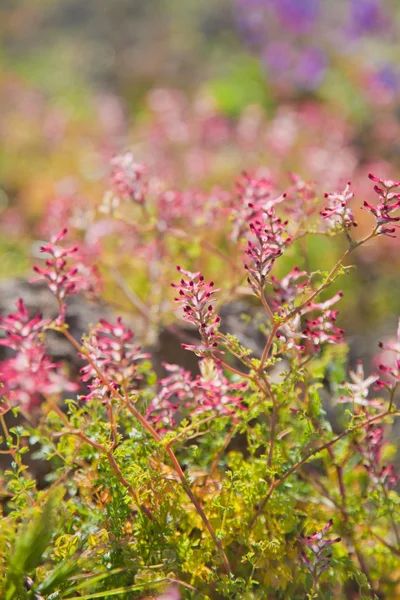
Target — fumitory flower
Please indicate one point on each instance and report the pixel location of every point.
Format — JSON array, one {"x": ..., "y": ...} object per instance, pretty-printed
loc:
[
  {"x": 290, "y": 333},
  {"x": 389, "y": 202},
  {"x": 289, "y": 287},
  {"x": 181, "y": 395},
  {"x": 30, "y": 373},
  {"x": 111, "y": 349},
  {"x": 300, "y": 198},
  {"x": 370, "y": 448},
  {"x": 66, "y": 273},
  {"x": 316, "y": 554},
  {"x": 22, "y": 331},
  {"x": 127, "y": 178},
  {"x": 337, "y": 213},
  {"x": 272, "y": 238},
  {"x": 196, "y": 300},
  {"x": 255, "y": 197},
  {"x": 389, "y": 364},
  {"x": 357, "y": 391},
  {"x": 323, "y": 329}
]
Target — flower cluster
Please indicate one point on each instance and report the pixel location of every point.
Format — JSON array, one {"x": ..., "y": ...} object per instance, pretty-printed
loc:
[
  {"x": 254, "y": 196},
  {"x": 358, "y": 390},
  {"x": 390, "y": 363},
  {"x": 127, "y": 178},
  {"x": 371, "y": 450},
  {"x": 295, "y": 334},
  {"x": 196, "y": 300},
  {"x": 316, "y": 551},
  {"x": 289, "y": 288},
  {"x": 300, "y": 198},
  {"x": 111, "y": 353},
  {"x": 389, "y": 202},
  {"x": 337, "y": 213},
  {"x": 66, "y": 272},
  {"x": 322, "y": 329},
  {"x": 272, "y": 238},
  {"x": 30, "y": 373},
  {"x": 182, "y": 395}
]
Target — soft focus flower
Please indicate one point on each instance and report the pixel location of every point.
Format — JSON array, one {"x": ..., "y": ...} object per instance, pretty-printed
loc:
[
  {"x": 389, "y": 202},
  {"x": 289, "y": 287},
  {"x": 389, "y": 362},
  {"x": 323, "y": 330},
  {"x": 337, "y": 213},
  {"x": 370, "y": 448},
  {"x": 316, "y": 554},
  {"x": 127, "y": 178},
  {"x": 357, "y": 391},
  {"x": 30, "y": 374},
  {"x": 254, "y": 197},
  {"x": 21, "y": 331}
]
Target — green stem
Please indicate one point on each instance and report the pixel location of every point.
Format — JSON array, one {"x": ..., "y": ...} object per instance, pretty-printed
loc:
[
  {"x": 311, "y": 453},
  {"x": 157, "y": 437}
]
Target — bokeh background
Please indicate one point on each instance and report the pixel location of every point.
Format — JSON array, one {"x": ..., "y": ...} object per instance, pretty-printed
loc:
[{"x": 200, "y": 91}]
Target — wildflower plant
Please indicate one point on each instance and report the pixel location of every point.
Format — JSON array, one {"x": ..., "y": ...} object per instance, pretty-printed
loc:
[{"x": 201, "y": 483}]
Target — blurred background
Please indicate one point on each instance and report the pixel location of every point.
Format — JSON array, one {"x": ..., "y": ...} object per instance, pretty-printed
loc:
[{"x": 200, "y": 91}]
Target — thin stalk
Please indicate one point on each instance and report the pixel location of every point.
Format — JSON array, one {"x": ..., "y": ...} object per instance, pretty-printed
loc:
[
  {"x": 312, "y": 297},
  {"x": 350, "y": 532},
  {"x": 274, "y": 421},
  {"x": 13, "y": 453},
  {"x": 266, "y": 306},
  {"x": 311, "y": 453},
  {"x": 157, "y": 437},
  {"x": 233, "y": 369},
  {"x": 186, "y": 487},
  {"x": 110, "y": 457},
  {"x": 392, "y": 519},
  {"x": 268, "y": 345}
]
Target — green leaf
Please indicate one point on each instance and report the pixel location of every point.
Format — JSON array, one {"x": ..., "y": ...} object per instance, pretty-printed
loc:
[{"x": 28, "y": 551}]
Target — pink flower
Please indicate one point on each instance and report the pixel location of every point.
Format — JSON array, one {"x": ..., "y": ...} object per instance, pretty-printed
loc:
[
  {"x": 29, "y": 374},
  {"x": 21, "y": 330},
  {"x": 111, "y": 349},
  {"x": 196, "y": 300},
  {"x": 272, "y": 238},
  {"x": 371, "y": 450},
  {"x": 290, "y": 334},
  {"x": 127, "y": 178},
  {"x": 390, "y": 362},
  {"x": 317, "y": 560},
  {"x": 181, "y": 395},
  {"x": 254, "y": 198},
  {"x": 300, "y": 198},
  {"x": 323, "y": 330},
  {"x": 171, "y": 594},
  {"x": 289, "y": 287},
  {"x": 357, "y": 391},
  {"x": 389, "y": 202},
  {"x": 66, "y": 273},
  {"x": 337, "y": 213}
]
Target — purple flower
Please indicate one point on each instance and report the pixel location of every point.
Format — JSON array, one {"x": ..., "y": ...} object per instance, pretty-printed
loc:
[
  {"x": 310, "y": 68},
  {"x": 365, "y": 17},
  {"x": 298, "y": 16}
]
